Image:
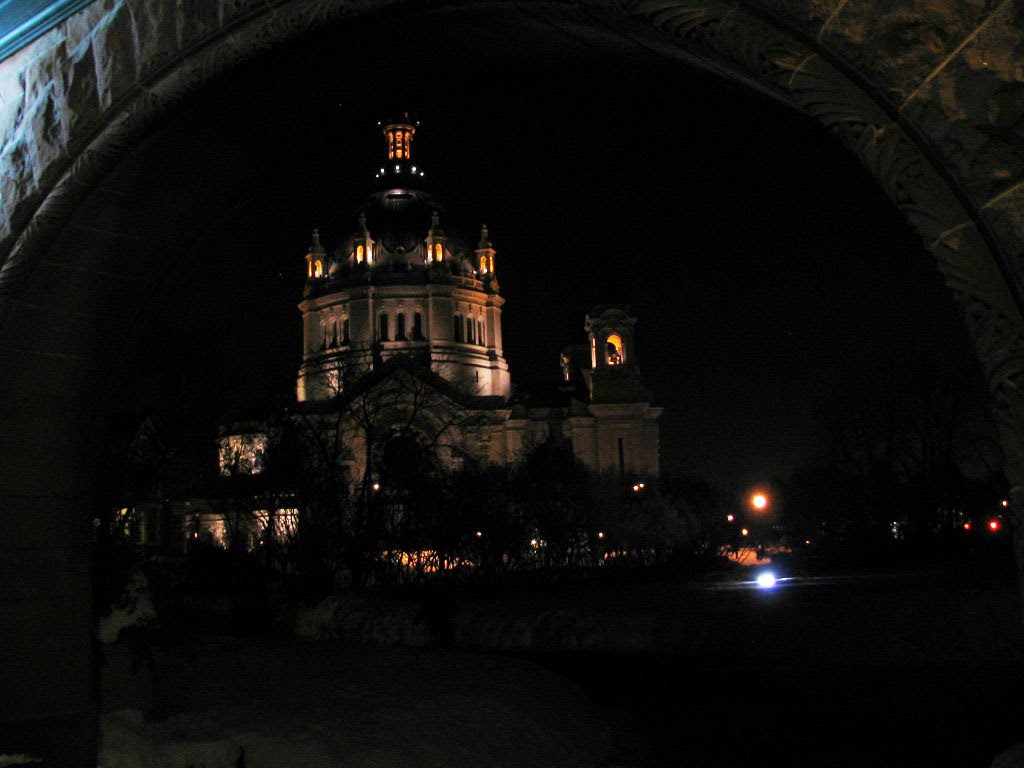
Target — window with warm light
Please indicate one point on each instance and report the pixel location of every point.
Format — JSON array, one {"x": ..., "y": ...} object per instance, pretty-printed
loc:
[
  {"x": 318, "y": 268},
  {"x": 438, "y": 253},
  {"x": 242, "y": 454},
  {"x": 360, "y": 254},
  {"x": 613, "y": 350}
]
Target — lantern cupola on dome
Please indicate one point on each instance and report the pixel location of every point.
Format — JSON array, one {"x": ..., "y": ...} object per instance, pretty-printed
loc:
[{"x": 398, "y": 168}]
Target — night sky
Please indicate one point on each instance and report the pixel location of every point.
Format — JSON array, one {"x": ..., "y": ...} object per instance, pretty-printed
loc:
[{"x": 767, "y": 270}]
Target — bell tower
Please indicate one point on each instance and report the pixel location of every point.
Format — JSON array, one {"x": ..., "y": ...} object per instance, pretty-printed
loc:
[{"x": 614, "y": 373}]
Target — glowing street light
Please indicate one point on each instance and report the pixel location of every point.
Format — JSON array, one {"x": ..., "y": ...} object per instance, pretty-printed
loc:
[
  {"x": 730, "y": 518},
  {"x": 759, "y": 501}
]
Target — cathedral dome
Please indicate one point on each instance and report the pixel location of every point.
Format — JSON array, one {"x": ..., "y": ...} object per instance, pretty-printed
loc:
[{"x": 399, "y": 220}]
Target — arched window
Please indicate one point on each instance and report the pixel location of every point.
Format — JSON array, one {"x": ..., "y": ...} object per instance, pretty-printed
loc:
[
  {"x": 360, "y": 254},
  {"x": 334, "y": 332},
  {"x": 480, "y": 333},
  {"x": 318, "y": 268},
  {"x": 383, "y": 327},
  {"x": 438, "y": 252},
  {"x": 457, "y": 328},
  {"x": 309, "y": 270},
  {"x": 469, "y": 331},
  {"x": 344, "y": 331},
  {"x": 417, "y": 327},
  {"x": 614, "y": 350},
  {"x": 400, "y": 327}
]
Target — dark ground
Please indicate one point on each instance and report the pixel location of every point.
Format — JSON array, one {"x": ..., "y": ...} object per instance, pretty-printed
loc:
[
  {"x": 812, "y": 675},
  {"x": 915, "y": 668}
]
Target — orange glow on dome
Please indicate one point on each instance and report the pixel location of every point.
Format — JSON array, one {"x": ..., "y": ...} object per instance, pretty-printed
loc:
[{"x": 399, "y": 137}]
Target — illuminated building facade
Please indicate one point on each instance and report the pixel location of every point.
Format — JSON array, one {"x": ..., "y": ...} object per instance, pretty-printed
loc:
[
  {"x": 402, "y": 360},
  {"x": 400, "y": 299}
]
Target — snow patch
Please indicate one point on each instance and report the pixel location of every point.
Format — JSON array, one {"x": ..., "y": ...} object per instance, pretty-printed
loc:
[{"x": 134, "y": 608}]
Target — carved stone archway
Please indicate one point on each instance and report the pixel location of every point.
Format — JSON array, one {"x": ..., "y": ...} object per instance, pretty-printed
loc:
[{"x": 930, "y": 96}]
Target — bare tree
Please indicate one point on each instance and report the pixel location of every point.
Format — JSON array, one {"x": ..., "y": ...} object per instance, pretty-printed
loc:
[{"x": 383, "y": 427}]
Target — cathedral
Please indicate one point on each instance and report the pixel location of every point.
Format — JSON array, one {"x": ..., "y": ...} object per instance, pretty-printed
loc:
[{"x": 402, "y": 345}]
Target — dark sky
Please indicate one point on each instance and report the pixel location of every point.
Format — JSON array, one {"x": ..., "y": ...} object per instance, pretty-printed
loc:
[{"x": 767, "y": 270}]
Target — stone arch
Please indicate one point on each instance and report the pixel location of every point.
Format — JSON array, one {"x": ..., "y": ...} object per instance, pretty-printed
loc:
[{"x": 889, "y": 82}]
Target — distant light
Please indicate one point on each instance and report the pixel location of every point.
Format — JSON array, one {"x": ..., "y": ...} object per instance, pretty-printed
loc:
[
  {"x": 376, "y": 486},
  {"x": 533, "y": 543},
  {"x": 759, "y": 501},
  {"x": 414, "y": 169},
  {"x": 967, "y": 526},
  {"x": 636, "y": 487},
  {"x": 766, "y": 580},
  {"x": 807, "y": 541},
  {"x": 993, "y": 525},
  {"x": 641, "y": 485},
  {"x": 396, "y": 169},
  {"x": 1005, "y": 502},
  {"x": 745, "y": 532},
  {"x": 600, "y": 534},
  {"x": 730, "y": 518},
  {"x": 479, "y": 534},
  {"x": 382, "y": 171}
]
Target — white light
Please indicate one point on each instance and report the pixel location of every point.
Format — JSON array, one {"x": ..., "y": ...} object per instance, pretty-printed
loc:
[
  {"x": 414, "y": 169},
  {"x": 766, "y": 580},
  {"x": 382, "y": 170}
]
